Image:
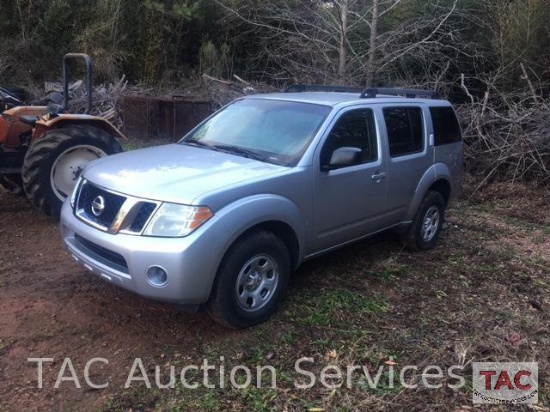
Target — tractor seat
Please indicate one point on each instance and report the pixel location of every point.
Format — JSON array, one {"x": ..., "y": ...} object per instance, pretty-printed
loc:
[{"x": 30, "y": 120}]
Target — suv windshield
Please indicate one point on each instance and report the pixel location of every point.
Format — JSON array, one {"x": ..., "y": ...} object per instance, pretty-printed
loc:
[{"x": 268, "y": 130}]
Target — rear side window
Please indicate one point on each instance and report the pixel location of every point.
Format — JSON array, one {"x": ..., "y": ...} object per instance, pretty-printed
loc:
[
  {"x": 446, "y": 127},
  {"x": 404, "y": 125}
]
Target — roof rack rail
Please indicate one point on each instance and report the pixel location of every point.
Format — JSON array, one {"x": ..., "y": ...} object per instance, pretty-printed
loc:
[
  {"x": 300, "y": 88},
  {"x": 410, "y": 93}
]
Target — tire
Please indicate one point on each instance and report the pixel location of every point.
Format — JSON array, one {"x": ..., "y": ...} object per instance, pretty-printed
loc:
[
  {"x": 242, "y": 297},
  {"x": 12, "y": 183},
  {"x": 427, "y": 224},
  {"x": 54, "y": 162}
]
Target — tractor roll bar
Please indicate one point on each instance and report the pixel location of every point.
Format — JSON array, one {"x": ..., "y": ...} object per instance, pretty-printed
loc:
[{"x": 66, "y": 76}]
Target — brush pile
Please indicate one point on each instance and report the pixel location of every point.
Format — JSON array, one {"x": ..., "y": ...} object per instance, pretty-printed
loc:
[
  {"x": 507, "y": 138},
  {"x": 105, "y": 99},
  {"x": 223, "y": 91}
]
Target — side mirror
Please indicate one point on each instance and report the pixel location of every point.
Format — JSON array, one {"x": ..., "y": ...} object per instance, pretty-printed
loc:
[{"x": 342, "y": 157}]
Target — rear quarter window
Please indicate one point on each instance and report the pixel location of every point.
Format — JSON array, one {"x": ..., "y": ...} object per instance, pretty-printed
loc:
[
  {"x": 446, "y": 127},
  {"x": 404, "y": 126}
]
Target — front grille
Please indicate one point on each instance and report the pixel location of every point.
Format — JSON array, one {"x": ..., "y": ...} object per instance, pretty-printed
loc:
[
  {"x": 131, "y": 213},
  {"x": 142, "y": 216},
  {"x": 101, "y": 254},
  {"x": 113, "y": 203}
]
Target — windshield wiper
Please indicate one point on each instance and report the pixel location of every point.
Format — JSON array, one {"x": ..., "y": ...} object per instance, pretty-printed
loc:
[
  {"x": 227, "y": 148},
  {"x": 198, "y": 143},
  {"x": 239, "y": 151}
]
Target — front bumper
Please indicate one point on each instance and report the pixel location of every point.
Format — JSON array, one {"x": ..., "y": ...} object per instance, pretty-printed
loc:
[{"x": 123, "y": 259}]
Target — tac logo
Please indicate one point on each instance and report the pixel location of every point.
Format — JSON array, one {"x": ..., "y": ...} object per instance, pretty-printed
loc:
[{"x": 505, "y": 382}]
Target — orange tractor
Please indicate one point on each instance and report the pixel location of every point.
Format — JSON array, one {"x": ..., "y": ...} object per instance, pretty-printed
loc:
[{"x": 43, "y": 149}]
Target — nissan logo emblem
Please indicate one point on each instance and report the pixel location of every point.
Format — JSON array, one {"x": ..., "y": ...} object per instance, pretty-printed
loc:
[{"x": 98, "y": 206}]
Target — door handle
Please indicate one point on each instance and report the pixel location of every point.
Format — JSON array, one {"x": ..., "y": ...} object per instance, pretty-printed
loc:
[{"x": 378, "y": 176}]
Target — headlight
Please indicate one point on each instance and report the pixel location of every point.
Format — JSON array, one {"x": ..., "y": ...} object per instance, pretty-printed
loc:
[{"x": 173, "y": 220}]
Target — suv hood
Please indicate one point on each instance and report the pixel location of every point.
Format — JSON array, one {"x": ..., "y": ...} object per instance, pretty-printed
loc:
[{"x": 175, "y": 173}]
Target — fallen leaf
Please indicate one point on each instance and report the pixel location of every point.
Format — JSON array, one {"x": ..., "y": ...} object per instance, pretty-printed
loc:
[{"x": 515, "y": 339}]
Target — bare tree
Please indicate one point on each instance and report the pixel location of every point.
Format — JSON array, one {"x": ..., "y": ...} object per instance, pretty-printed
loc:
[
  {"x": 340, "y": 40},
  {"x": 373, "y": 43},
  {"x": 343, "y": 49},
  {"x": 520, "y": 35}
]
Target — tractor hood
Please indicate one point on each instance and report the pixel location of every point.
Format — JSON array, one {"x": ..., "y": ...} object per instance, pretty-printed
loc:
[{"x": 176, "y": 173}]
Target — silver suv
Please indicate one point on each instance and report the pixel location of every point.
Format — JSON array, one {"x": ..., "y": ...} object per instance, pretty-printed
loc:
[{"x": 221, "y": 218}]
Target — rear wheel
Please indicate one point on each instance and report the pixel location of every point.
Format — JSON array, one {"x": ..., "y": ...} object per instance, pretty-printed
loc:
[
  {"x": 54, "y": 162},
  {"x": 427, "y": 224},
  {"x": 251, "y": 281}
]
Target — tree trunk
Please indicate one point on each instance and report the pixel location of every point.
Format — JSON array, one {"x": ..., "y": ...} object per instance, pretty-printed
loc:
[
  {"x": 372, "y": 46},
  {"x": 342, "y": 50}
]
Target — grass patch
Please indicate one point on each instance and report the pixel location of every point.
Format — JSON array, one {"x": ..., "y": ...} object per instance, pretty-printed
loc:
[
  {"x": 332, "y": 308},
  {"x": 4, "y": 345},
  {"x": 138, "y": 398},
  {"x": 390, "y": 270}
]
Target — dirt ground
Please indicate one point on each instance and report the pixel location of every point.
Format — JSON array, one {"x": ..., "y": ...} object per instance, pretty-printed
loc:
[
  {"x": 482, "y": 294},
  {"x": 51, "y": 308}
]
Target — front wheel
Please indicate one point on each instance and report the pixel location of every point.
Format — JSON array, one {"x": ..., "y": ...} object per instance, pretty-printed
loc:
[
  {"x": 427, "y": 224},
  {"x": 54, "y": 162},
  {"x": 251, "y": 281}
]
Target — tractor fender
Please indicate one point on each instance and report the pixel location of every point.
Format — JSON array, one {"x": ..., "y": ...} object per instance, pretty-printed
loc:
[
  {"x": 43, "y": 125},
  {"x": 11, "y": 128}
]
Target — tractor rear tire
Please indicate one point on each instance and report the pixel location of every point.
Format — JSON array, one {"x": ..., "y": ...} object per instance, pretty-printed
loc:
[
  {"x": 12, "y": 183},
  {"x": 54, "y": 162}
]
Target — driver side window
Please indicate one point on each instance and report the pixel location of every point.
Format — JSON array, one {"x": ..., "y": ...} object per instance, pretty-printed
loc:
[{"x": 354, "y": 129}]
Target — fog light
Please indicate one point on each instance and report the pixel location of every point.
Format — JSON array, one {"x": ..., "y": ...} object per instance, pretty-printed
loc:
[{"x": 157, "y": 276}]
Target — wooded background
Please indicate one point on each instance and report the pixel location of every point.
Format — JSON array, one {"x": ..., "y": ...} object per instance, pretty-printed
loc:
[
  {"x": 363, "y": 42},
  {"x": 492, "y": 55}
]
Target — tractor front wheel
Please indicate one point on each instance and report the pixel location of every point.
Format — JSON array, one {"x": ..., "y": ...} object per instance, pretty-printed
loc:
[{"x": 54, "y": 162}]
